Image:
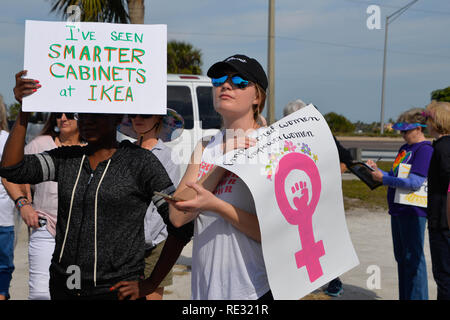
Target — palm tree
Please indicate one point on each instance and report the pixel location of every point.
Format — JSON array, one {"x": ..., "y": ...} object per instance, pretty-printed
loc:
[
  {"x": 116, "y": 11},
  {"x": 183, "y": 58},
  {"x": 136, "y": 11}
]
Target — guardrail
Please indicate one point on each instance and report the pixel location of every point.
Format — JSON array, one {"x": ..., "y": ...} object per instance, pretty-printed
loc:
[{"x": 366, "y": 154}]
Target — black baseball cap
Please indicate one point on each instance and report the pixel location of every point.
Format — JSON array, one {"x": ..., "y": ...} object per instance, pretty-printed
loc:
[{"x": 247, "y": 67}]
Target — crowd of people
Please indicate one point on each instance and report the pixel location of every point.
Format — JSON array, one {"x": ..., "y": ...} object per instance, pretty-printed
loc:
[{"x": 90, "y": 201}]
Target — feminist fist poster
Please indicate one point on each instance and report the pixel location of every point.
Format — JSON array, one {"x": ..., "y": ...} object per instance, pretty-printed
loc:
[
  {"x": 96, "y": 67},
  {"x": 294, "y": 176}
]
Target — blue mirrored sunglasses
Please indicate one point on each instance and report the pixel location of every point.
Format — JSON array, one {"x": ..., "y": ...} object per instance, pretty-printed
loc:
[{"x": 235, "y": 80}]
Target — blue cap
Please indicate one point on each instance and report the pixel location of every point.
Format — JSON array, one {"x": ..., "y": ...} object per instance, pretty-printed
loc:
[{"x": 405, "y": 126}]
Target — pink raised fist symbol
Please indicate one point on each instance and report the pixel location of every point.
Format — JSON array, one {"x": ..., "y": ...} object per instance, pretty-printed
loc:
[{"x": 311, "y": 250}]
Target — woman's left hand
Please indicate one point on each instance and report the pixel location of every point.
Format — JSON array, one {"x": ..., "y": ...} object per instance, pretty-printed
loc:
[
  {"x": 205, "y": 200},
  {"x": 127, "y": 289}
]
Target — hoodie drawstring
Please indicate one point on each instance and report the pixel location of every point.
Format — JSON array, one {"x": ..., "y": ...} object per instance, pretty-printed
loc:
[
  {"x": 95, "y": 223},
  {"x": 95, "y": 216},
  {"x": 70, "y": 209}
]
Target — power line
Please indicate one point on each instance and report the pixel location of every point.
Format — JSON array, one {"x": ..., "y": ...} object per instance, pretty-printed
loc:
[
  {"x": 341, "y": 45},
  {"x": 334, "y": 44},
  {"x": 395, "y": 7}
]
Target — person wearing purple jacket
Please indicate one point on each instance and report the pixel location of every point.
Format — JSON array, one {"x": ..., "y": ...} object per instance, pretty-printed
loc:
[{"x": 408, "y": 221}]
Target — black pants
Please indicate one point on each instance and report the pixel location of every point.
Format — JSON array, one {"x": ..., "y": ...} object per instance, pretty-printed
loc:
[
  {"x": 266, "y": 297},
  {"x": 440, "y": 261},
  {"x": 60, "y": 291}
]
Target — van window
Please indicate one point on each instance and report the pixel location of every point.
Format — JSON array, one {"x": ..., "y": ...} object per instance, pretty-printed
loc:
[
  {"x": 208, "y": 116},
  {"x": 179, "y": 99}
]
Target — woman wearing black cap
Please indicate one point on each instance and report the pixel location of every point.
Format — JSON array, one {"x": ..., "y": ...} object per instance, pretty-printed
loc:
[{"x": 227, "y": 259}]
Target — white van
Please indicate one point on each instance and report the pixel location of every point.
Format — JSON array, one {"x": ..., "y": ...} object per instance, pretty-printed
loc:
[{"x": 191, "y": 97}]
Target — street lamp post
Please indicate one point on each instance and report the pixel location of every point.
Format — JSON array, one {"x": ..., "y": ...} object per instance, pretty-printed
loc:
[{"x": 394, "y": 16}]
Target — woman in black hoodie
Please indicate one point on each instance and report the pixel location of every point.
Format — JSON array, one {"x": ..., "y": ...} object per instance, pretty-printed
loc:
[
  {"x": 104, "y": 190},
  {"x": 438, "y": 114}
]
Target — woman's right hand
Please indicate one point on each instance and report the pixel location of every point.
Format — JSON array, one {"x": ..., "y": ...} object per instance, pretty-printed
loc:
[
  {"x": 377, "y": 175},
  {"x": 242, "y": 142},
  {"x": 29, "y": 216},
  {"x": 372, "y": 164},
  {"x": 24, "y": 87}
]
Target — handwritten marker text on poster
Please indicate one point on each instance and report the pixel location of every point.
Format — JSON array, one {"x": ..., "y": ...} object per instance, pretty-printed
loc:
[{"x": 98, "y": 54}]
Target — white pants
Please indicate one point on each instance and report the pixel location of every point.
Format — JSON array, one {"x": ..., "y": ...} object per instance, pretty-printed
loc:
[{"x": 40, "y": 251}]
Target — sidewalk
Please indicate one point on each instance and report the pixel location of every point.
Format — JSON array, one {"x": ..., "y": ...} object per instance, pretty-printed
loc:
[{"x": 371, "y": 236}]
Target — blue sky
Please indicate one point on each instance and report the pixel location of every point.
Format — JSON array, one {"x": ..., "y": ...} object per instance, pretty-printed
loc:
[{"x": 324, "y": 52}]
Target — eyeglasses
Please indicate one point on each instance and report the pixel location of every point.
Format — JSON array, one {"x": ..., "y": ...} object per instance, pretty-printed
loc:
[
  {"x": 236, "y": 80},
  {"x": 69, "y": 116},
  {"x": 144, "y": 116}
]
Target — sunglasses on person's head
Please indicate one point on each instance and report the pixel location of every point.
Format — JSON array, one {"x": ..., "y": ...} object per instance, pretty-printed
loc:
[
  {"x": 144, "y": 116},
  {"x": 236, "y": 80},
  {"x": 69, "y": 116}
]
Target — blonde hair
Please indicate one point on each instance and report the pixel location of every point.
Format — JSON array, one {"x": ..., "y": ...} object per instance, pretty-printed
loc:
[
  {"x": 258, "y": 108},
  {"x": 414, "y": 115},
  {"x": 3, "y": 115},
  {"x": 439, "y": 116}
]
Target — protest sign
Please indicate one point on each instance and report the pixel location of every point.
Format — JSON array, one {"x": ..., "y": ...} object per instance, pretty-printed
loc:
[
  {"x": 294, "y": 176},
  {"x": 96, "y": 67},
  {"x": 411, "y": 197}
]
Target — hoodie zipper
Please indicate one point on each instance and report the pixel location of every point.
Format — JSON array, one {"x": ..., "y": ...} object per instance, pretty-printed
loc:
[{"x": 90, "y": 178}]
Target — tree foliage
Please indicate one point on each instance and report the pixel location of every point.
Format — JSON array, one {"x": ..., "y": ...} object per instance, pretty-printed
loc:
[
  {"x": 115, "y": 11},
  {"x": 441, "y": 94},
  {"x": 338, "y": 123},
  {"x": 13, "y": 111},
  {"x": 182, "y": 57}
]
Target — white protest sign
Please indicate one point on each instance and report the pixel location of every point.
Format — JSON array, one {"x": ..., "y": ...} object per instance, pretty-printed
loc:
[
  {"x": 412, "y": 198},
  {"x": 294, "y": 176},
  {"x": 96, "y": 67}
]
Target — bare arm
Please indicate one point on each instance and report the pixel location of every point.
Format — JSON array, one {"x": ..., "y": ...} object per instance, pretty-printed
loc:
[
  {"x": 201, "y": 197},
  {"x": 185, "y": 192},
  {"x": 177, "y": 217},
  {"x": 14, "y": 147},
  {"x": 28, "y": 214},
  {"x": 244, "y": 221},
  {"x": 136, "y": 289}
]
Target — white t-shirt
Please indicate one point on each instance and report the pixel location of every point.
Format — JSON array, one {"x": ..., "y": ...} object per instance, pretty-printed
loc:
[
  {"x": 226, "y": 264},
  {"x": 6, "y": 203}
]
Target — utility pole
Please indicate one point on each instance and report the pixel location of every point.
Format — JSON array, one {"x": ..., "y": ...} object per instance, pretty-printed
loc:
[
  {"x": 394, "y": 16},
  {"x": 271, "y": 64}
]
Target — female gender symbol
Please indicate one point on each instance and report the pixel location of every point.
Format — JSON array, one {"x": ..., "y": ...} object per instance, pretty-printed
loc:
[{"x": 311, "y": 250}]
